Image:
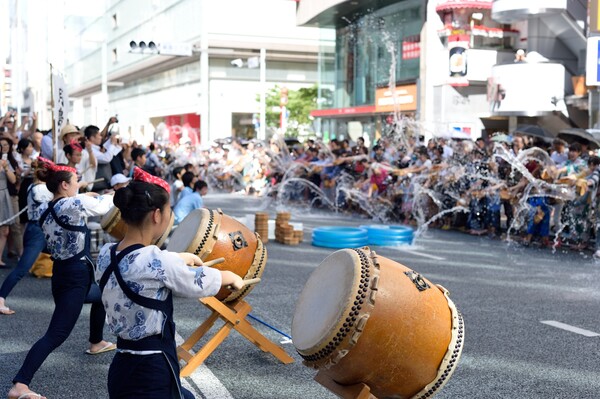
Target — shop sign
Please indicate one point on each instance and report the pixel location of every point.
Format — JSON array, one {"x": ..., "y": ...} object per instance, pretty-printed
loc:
[{"x": 402, "y": 98}]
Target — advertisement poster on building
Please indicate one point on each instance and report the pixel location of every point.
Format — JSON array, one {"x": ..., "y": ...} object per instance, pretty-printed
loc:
[{"x": 457, "y": 58}]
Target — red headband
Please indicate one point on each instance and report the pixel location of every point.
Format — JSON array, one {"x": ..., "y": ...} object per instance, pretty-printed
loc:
[
  {"x": 56, "y": 168},
  {"x": 141, "y": 175},
  {"x": 75, "y": 144}
]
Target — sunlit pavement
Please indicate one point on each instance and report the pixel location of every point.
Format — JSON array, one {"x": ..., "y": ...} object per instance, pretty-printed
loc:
[{"x": 530, "y": 318}]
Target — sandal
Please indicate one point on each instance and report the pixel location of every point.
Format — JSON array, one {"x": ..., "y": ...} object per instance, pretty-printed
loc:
[
  {"x": 5, "y": 310},
  {"x": 106, "y": 348},
  {"x": 30, "y": 395}
]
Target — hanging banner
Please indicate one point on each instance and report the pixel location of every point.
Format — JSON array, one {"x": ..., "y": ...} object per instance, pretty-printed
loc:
[{"x": 60, "y": 109}]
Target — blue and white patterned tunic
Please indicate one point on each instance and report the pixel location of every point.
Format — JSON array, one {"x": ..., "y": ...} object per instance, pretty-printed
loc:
[
  {"x": 151, "y": 273},
  {"x": 64, "y": 244},
  {"x": 36, "y": 196}
]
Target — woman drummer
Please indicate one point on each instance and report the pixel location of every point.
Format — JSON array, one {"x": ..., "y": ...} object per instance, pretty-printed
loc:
[
  {"x": 68, "y": 240},
  {"x": 138, "y": 281}
]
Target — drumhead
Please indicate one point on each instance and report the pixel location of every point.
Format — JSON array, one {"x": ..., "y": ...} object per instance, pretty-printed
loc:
[
  {"x": 325, "y": 300},
  {"x": 110, "y": 217},
  {"x": 185, "y": 237}
]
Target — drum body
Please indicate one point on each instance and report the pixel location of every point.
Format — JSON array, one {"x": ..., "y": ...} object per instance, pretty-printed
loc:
[
  {"x": 211, "y": 234},
  {"x": 115, "y": 226},
  {"x": 363, "y": 318}
]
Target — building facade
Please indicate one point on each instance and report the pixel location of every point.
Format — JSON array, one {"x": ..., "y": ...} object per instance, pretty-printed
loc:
[
  {"x": 186, "y": 88},
  {"x": 452, "y": 65},
  {"x": 374, "y": 68}
]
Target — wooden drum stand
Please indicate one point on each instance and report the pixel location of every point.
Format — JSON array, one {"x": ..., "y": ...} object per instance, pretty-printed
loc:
[{"x": 234, "y": 315}]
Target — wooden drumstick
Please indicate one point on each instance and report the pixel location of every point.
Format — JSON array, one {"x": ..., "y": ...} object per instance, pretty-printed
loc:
[
  {"x": 213, "y": 262},
  {"x": 250, "y": 281}
]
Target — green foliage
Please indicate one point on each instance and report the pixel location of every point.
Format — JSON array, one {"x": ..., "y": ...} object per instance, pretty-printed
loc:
[{"x": 300, "y": 103}]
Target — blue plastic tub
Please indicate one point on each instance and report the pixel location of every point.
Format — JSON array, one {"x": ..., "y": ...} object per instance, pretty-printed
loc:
[
  {"x": 339, "y": 237},
  {"x": 389, "y": 235},
  {"x": 339, "y": 244}
]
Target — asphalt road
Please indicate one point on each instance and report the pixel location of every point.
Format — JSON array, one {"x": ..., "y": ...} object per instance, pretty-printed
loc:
[{"x": 530, "y": 319}]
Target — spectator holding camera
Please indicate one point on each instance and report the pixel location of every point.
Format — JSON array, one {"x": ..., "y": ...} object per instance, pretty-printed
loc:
[
  {"x": 8, "y": 125},
  {"x": 86, "y": 167},
  {"x": 10, "y": 130},
  {"x": 104, "y": 153}
]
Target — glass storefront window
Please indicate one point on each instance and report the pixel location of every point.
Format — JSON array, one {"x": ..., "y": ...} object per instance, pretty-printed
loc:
[{"x": 367, "y": 48}]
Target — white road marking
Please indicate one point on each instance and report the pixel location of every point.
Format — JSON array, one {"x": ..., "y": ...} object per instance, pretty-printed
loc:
[
  {"x": 204, "y": 378},
  {"x": 470, "y": 252},
  {"x": 426, "y": 240},
  {"x": 567, "y": 327},
  {"x": 410, "y": 251},
  {"x": 285, "y": 341}
]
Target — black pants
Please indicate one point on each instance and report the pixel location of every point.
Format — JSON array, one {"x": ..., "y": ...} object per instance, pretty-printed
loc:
[
  {"x": 142, "y": 376},
  {"x": 70, "y": 288}
]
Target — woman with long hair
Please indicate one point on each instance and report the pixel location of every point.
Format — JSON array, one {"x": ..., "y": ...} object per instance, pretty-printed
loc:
[
  {"x": 15, "y": 234},
  {"x": 8, "y": 177},
  {"x": 63, "y": 221},
  {"x": 138, "y": 282}
]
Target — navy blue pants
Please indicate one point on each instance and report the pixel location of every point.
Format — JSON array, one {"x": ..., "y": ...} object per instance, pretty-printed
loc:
[
  {"x": 71, "y": 284},
  {"x": 34, "y": 242},
  {"x": 142, "y": 376}
]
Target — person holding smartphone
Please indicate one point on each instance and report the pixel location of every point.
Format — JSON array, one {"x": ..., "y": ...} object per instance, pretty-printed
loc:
[{"x": 7, "y": 176}]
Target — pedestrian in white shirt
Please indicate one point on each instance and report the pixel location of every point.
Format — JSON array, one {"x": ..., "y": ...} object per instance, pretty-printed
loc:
[{"x": 104, "y": 153}]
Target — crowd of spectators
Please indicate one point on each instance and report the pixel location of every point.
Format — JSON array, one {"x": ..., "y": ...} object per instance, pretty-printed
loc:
[{"x": 510, "y": 187}]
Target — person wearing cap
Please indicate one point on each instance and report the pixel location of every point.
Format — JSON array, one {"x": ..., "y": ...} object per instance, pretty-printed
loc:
[
  {"x": 86, "y": 167},
  {"x": 119, "y": 181}
]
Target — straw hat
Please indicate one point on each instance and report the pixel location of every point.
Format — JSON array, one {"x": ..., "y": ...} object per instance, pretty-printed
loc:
[{"x": 66, "y": 130}]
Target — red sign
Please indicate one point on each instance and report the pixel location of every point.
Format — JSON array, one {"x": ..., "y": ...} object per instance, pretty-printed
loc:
[{"x": 411, "y": 47}]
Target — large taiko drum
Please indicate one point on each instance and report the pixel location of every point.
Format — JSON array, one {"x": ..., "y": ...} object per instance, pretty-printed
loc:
[
  {"x": 115, "y": 226},
  {"x": 363, "y": 318},
  {"x": 211, "y": 234}
]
